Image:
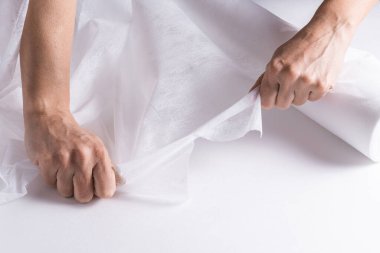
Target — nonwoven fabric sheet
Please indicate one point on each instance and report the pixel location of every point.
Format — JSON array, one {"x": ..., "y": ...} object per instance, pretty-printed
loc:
[{"x": 150, "y": 77}]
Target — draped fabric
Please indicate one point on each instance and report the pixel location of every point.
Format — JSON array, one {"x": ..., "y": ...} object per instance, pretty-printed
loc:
[{"x": 150, "y": 77}]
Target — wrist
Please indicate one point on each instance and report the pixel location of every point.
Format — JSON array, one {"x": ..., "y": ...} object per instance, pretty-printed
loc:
[
  {"x": 329, "y": 28},
  {"x": 42, "y": 101},
  {"x": 332, "y": 19},
  {"x": 40, "y": 108}
]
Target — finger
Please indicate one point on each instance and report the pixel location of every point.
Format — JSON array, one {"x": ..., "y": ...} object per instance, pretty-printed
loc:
[
  {"x": 51, "y": 163},
  {"x": 286, "y": 94},
  {"x": 315, "y": 95},
  {"x": 65, "y": 182},
  {"x": 83, "y": 185},
  {"x": 301, "y": 93},
  {"x": 319, "y": 90},
  {"x": 104, "y": 179},
  {"x": 258, "y": 83},
  {"x": 268, "y": 92},
  {"x": 48, "y": 171},
  {"x": 300, "y": 96}
]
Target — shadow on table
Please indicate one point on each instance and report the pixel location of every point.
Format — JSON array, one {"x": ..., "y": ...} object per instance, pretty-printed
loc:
[
  {"x": 38, "y": 190},
  {"x": 310, "y": 139}
]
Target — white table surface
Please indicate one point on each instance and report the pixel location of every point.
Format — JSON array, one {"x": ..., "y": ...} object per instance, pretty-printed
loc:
[{"x": 298, "y": 189}]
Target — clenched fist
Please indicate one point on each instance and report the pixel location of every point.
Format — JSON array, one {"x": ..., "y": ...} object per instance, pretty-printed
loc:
[
  {"x": 307, "y": 66},
  {"x": 69, "y": 157}
]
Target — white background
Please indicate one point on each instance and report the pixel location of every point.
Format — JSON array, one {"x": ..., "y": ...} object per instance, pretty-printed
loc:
[{"x": 298, "y": 189}]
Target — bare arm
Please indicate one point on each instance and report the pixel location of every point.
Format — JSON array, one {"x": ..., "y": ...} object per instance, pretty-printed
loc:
[
  {"x": 45, "y": 55},
  {"x": 69, "y": 157},
  {"x": 306, "y": 67}
]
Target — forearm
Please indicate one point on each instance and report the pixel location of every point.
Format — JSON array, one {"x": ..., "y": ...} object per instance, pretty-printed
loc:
[
  {"x": 45, "y": 55},
  {"x": 341, "y": 17}
]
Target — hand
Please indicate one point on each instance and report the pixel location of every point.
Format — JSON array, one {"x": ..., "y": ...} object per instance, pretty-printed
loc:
[
  {"x": 69, "y": 157},
  {"x": 304, "y": 68}
]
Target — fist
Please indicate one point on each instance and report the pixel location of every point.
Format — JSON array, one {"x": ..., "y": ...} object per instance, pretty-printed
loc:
[
  {"x": 70, "y": 158},
  {"x": 304, "y": 68}
]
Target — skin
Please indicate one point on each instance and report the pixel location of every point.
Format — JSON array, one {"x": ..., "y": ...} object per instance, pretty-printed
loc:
[
  {"x": 69, "y": 157},
  {"x": 307, "y": 66},
  {"x": 76, "y": 162}
]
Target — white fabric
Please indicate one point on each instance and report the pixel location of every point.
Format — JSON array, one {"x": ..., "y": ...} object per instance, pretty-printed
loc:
[{"x": 150, "y": 77}]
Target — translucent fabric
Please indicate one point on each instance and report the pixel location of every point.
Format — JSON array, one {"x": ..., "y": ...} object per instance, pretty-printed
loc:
[{"x": 150, "y": 77}]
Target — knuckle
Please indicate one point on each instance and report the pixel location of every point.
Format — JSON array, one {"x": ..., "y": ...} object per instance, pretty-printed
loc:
[
  {"x": 62, "y": 157},
  {"x": 275, "y": 65},
  {"x": 282, "y": 105},
  {"x": 305, "y": 79},
  {"x": 321, "y": 86},
  {"x": 83, "y": 197},
  {"x": 82, "y": 153},
  {"x": 99, "y": 151},
  {"x": 291, "y": 71},
  {"x": 66, "y": 193},
  {"x": 265, "y": 103},
  {"x": 106, "y": 194}
]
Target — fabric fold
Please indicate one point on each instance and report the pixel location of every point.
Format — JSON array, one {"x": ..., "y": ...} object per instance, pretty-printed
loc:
[
  {"x": 162, "y": 174},
  {"x": 150, "y": 77}
]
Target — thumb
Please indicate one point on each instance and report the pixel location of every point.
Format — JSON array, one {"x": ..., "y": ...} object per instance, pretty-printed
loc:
[{"x": 120, "y": 180}]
